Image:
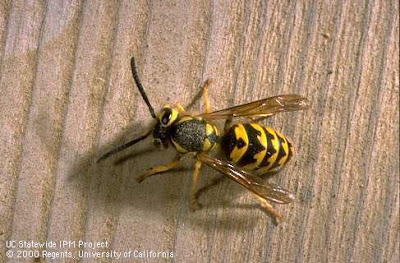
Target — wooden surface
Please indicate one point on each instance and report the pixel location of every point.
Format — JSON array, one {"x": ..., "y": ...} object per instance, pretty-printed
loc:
[{"x": 67, "y": 96}]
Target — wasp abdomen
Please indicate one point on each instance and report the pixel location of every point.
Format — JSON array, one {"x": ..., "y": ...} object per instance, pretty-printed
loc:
[
  {"x": 253, "y": 146},
  {"x": 190, "y": 134}
]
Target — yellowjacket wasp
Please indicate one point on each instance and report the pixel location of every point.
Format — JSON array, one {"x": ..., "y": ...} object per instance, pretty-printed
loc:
[{"x": 247, "y": 146}]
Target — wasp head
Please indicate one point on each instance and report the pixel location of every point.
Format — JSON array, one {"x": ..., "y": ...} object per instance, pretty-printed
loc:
[{"x": 165, "y": 118}]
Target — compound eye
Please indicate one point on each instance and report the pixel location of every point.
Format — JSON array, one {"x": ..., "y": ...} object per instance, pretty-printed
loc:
[{"x": 166, "y": 117}]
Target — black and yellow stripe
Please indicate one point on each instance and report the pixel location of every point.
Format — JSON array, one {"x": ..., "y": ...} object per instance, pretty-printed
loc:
[{"x": 253, "y": 147}]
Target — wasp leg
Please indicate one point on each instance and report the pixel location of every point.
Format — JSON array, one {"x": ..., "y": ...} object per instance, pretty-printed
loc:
[
  {"x": 270, "y": 209},
  {"x": 159, "y": 169},
  {"x": 193, "y": 196},
  {"x": 205, "y": 95}
]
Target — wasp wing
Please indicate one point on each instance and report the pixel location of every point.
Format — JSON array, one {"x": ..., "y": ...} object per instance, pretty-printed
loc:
[
  {"x": 253, "y": 183},
  {"x": 262, "y": 108}
]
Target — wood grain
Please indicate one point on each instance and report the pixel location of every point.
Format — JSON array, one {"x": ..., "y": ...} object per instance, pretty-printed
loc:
[{"x": 67, "y": 96}]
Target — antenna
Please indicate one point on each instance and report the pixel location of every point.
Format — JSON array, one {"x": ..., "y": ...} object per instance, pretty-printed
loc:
[
  {"x": 124, "y": 146},
  {"x": 144, "y": 96},
  {"x": 140, "y": 87}
]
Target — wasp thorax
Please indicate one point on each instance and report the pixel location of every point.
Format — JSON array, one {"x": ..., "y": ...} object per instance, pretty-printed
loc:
[{"x": 167, "y": 116}]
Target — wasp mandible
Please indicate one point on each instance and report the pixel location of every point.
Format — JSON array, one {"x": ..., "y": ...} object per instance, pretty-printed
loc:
[{"x": 246, "y": 146}]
